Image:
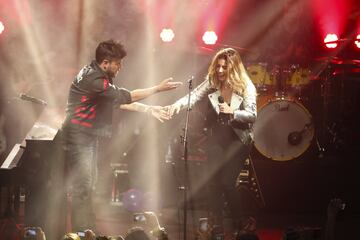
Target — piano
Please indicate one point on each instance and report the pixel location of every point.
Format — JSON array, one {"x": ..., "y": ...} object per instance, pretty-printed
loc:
[{"x": 32, "y": 176}]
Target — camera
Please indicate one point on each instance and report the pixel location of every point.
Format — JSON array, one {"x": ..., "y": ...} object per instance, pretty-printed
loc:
[
  {"x": 203, "y": 224},
  {"x": 139, "y": 217}
]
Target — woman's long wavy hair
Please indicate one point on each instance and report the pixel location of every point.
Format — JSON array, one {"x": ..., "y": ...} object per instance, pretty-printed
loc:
[{"x": 236, "y": 75}]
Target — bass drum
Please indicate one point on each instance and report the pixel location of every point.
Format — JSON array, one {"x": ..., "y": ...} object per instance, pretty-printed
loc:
[{"x": 283, "y": 129}]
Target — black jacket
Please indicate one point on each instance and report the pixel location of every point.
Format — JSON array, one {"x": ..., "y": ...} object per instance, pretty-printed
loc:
[{"x": 91, "y": 100}]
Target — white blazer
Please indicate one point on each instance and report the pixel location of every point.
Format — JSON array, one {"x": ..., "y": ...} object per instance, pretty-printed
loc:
[{"x": 245, "y": 111}]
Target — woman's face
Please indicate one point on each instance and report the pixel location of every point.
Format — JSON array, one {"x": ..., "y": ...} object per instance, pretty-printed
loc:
[{"x": 221, "y": 68}]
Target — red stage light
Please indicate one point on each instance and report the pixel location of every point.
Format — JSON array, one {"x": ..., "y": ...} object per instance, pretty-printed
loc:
[
  {"x": 2, "y": 27},
  {"x": 331, "y": 37},
  {"x": 357, "y": 41},
  {"x": 209, "y": 37},
  {"x": 167, "y": 35}
]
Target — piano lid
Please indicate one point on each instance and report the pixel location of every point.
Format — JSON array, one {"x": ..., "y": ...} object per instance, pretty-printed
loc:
[
  {"x": 46, "y": 126},
  {"x": 41, "y": 131},
  {"x": 44, "y": 129}
]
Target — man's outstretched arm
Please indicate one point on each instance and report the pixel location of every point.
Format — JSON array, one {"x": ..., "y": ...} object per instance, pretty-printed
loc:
[
  {"x": 165, "y": 85},
  {"x": 160, "y": 113}
]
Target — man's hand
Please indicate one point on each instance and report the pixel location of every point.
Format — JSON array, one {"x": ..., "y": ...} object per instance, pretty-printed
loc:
[
  {"x": 167, "y": 84},
  {"x": 160, "y": 113}
]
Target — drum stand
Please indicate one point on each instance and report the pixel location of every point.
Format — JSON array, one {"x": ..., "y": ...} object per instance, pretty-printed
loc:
[{"x": 325, "y": 92}]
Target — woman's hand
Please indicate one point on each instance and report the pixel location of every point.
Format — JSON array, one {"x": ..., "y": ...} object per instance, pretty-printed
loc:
[
  {"x": 172, "y": 109},
  {"x": 225, "y": 108}
]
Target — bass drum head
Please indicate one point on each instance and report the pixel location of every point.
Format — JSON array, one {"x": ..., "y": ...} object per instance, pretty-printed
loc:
[{"x": 276, "y": 120}]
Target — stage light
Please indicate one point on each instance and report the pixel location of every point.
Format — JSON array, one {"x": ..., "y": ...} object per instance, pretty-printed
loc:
[
  {"x": 2, "y": 27},
  {"x": 209, "y": 37},
  {"x": 330, "y": 39},
  {"x": 133, "y": 200},
  {"x": 357, "y": 41},
  {"x": 167, "y": 35}
]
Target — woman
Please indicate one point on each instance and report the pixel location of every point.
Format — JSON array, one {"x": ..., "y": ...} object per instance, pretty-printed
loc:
[{"x": 232, "y": 111}]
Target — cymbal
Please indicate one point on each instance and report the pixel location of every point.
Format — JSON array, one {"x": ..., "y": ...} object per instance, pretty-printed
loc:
[
  {"x": 326, "y": 58},
  {"x": 338, "y": 41},
  {"x": 339, "y": 62},
  {"x": 353, "y": 71},
  {"x": 240, "y": 49},
  {"x": 216, "y": 47},
  {"x": 348, "y": 62},
  {"x": 205, "y": 50}
]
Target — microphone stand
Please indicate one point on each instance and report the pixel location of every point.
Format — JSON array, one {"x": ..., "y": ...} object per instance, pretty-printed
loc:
[{"x": 184, "y": 141}]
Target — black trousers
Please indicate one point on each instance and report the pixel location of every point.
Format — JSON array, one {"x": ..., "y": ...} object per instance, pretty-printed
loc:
[
  {"x": 226, "y": 157},
  {"x": 81, "y": 161}
]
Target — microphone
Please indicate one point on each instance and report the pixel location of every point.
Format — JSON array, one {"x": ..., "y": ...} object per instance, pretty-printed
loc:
[
  {"x": 191, "y": 78},
  {"x": 190, "y": 82},
  {"x": 25, "y": 97},
  {"x": 223, "y": 118},
  {"x": 221, "y": 99}
]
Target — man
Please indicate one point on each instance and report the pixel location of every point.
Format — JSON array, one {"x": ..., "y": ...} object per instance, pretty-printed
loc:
[{"x": 90, "y": 104}]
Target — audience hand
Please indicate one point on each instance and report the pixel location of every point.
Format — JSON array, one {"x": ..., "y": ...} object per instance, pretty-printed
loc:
[
  {"x": 200, "y": 235},
  {"x": 152, "y": 220},
  {"x": 40, "y": 235},
  {"x": 89, "y": 235},
  {"x": 335, "y": 205}
]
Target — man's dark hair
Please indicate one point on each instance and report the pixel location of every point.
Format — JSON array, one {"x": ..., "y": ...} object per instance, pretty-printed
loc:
[{"x": 110, "y": 50}]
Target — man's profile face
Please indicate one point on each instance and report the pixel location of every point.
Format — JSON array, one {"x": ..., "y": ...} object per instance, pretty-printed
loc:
[{"x": 112, "y": 67}]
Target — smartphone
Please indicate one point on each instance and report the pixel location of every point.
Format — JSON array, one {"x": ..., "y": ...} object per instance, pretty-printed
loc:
[
  {"x": 30, "y": 232},
  {"x": 81, "y": 235},
  {"x": 139, "y": 217},
  {"x": 203, "y": 224}
]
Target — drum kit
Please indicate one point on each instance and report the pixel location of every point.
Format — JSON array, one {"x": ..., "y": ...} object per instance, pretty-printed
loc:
[
  {"x": 284, "y": 128},
  {"x": 294, "y": 101}
]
